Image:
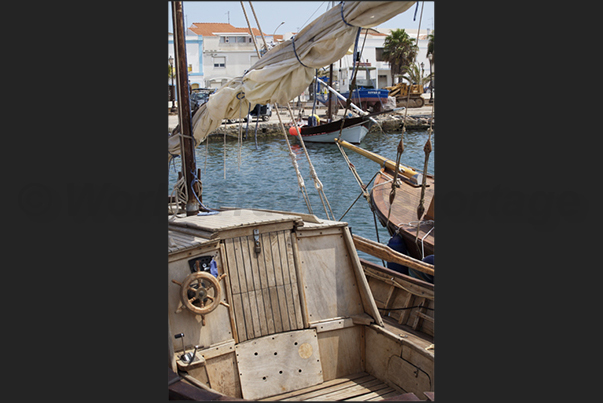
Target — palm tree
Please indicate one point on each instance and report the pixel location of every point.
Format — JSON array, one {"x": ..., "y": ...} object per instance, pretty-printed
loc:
[
  {"x": 399, "y": 50},
  {"x": 430, "y": 46},
  {"x": 413, "y": 75}
]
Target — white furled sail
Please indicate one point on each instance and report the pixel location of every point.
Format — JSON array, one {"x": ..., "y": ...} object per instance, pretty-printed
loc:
[{"x": 286, "y": 70}]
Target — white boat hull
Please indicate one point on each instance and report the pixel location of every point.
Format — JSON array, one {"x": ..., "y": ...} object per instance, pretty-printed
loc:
[{"x": 353, "y": 134}]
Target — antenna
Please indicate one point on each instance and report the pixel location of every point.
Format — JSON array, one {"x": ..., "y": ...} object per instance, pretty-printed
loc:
[{"x": 228, "y": 12}]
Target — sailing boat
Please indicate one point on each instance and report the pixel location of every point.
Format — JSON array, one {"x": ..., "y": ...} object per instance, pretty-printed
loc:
[
  {"x": 399, "y": 215},
  {"x": 270, "y": 305}
]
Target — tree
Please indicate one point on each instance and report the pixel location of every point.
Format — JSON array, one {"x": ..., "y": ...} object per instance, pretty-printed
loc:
[
  {"x": 413, "y": 75},
  {"x": 430, "y": 46},
  {"x": 399, "y": 50}
]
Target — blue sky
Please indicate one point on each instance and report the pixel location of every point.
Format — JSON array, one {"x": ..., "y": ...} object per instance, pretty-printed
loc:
[{"x": 294, "y": 14}]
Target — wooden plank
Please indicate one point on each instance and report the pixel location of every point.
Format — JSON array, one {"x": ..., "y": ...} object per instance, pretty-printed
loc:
[
  {"x": 276, "y": 309},
  {"x": 379, "y": 394},
  {"x": 352, "y": 391},
  {"x": 284, "y": 270},
  {"x": 259, "y": 282},
  {"x": 295, "y": 395},
  {"x": 239, "y": 317},
  {"x": 337, "y": 386},
  {"x": 266, "y": 303},
  {"x": 406, "y": 313},
  {"x": 297, "y": 319},
  {"x": 300, "y": 281},
  {"x": 386, "y": 253},
  {"x": 278, "y": 277},
  {"x": 367, "y": 297},
  {"x": 278, "y": 363},
  {"x": 407, "y": 376},
  {"x": 272, "y": 308},
  {"x": 222, "y": 374},
  {"x": 385, "y": 395},
  {"x": 223, "y": 269},
  {"x": 418, "y": 318},
  {"x": 251, "y": 287},
  {"x": 326, "y": 326},
  {"x": 325, "y": 266},
  {"x": 342, "y": 352},
  {"x": 282, "y": 301}
]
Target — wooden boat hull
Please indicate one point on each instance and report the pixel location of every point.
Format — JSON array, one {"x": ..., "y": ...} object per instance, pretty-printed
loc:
[
  {"x": 296, "y": 317},
  {"x": 403, "y": 218}
]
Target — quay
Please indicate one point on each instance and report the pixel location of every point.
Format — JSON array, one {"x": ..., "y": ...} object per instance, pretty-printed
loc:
[{"x": 416, "y": 119}]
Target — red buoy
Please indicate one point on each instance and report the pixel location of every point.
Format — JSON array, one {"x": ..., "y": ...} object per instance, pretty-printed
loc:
[{"x": 292, "y": 131}]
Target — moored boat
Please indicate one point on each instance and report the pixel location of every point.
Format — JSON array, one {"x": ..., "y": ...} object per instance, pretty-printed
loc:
[
  {"x": 270, "y": 305},
  {"x": 399, "y": 216},
  {"x": 353, "y": 131}
]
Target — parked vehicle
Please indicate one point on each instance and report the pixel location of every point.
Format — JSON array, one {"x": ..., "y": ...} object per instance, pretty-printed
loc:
[
  {"x": 199, "y": 96},
  {"x": 260, "y": 111}
]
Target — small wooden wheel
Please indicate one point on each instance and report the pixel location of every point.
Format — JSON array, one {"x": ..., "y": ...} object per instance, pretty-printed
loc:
[{"x": 200, "y": 293}]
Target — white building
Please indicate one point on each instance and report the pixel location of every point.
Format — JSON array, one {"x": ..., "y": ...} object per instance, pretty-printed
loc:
[
  {"x": 218, "y": 52},
  {"x": 379, "y": 72},
  {"x": 194, "y": 57},
  {"x": 227, "y": 51}
]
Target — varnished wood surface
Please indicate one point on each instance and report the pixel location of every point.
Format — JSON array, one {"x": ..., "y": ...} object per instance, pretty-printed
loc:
[{"x": 404, "y": 211}]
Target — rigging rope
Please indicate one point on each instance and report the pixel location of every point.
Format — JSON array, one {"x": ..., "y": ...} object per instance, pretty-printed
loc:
[
  {"x": 300, "y": 179},
  {"x": 400, "y": 148},
  {"x": 317, "y": 183}
]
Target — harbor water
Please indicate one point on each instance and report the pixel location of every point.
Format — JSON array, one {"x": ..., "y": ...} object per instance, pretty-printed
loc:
[{"x": 248, "y": 176}]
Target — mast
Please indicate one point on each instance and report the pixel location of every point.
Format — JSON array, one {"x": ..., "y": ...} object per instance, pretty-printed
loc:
[{"x": 186, "y": 140}]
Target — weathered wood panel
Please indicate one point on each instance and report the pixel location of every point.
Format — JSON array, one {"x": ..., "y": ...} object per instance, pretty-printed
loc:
[
  {"x": 279, "y": 363},
  {"x": 264, "y": 285},
  {"x": 329, "y": 280},
  {"x": 342, "y": 351},
  {"x": 217, "y": 326}
]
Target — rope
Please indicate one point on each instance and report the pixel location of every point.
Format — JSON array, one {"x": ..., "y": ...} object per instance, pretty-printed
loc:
[
  {"x": 366, "y": 195},
  {"x": 300, "y": 179},
  {"x": 295, "y": 52},
  {"x": 342, "y": 17},
  {"x": 400, "y": 148},
  {"x": 317, "y": 183}
]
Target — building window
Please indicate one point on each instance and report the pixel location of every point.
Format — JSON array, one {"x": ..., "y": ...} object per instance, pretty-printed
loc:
[
  {"x": 219, "y": 61},
  {"x": 379, "y": 54}
]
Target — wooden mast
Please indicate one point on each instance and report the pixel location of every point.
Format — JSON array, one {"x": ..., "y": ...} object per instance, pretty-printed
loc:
[{"x": 186, "y": 140}]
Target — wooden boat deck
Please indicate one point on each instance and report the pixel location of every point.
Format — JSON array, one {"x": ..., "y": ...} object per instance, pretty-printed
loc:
[
  {"x": 357, "y": 387},
  {"x": 404, "y": 210}
]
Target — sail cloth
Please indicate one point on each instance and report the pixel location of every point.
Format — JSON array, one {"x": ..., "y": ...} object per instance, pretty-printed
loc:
[{"x": 286, "y": 70}]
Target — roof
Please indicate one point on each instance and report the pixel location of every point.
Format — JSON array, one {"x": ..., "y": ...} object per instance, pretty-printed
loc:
[{"x": 213, "y": 28}]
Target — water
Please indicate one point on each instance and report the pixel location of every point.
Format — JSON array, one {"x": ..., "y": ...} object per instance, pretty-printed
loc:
[{"x": 266, "y": 178}]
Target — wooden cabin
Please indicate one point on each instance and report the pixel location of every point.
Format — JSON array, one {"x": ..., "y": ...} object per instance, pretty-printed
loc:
[{"x": 293, "y": 316}]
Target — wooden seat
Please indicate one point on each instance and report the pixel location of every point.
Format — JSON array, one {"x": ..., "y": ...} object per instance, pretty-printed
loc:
[{"x": 357, "y": 387}]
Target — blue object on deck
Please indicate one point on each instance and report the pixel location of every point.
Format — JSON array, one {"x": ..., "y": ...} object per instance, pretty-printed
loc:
[
  {"x": 213, "y": 268},
  {"x": 207, "y": 212},
  {"x": 397, "y": 243}
]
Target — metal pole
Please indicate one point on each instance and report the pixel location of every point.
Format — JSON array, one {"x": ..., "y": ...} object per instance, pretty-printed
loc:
[
  {"x": 329, "y": 109},
  {"x": 186, "y": 140}
]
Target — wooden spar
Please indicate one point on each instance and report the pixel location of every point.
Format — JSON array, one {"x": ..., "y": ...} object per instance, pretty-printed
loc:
[
  {"x": 386, "y": 253},
  {"x": 409, "y": 173},
  {"x": 186, "y": 140}
]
